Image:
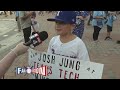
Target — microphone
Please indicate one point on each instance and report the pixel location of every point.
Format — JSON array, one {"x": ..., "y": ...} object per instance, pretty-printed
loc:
[{"x": 37, "y": 38}]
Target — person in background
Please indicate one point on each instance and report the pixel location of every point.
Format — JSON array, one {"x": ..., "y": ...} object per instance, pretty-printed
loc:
[
  {"x": 110, "y": 19},
  {"x": 18, "y": 20},
  {"x": 5, "y": 12},
  {"x": 34, "y": 22},
  {"x": 11, "y": 13},
  {"x": 90, "y": 18},
  {"x": 25, "y": 21},
  {"x": 98, "y": 22},
  {"x": 80, "y": 23}
]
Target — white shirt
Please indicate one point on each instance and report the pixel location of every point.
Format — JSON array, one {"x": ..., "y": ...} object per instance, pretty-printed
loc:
[{"x": 73, "y": 49}]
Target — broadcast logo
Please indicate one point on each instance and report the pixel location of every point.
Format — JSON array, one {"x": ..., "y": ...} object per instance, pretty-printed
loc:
[{"x": 28, "y": 70}]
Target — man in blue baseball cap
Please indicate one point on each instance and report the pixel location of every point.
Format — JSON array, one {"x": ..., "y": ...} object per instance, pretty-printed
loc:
[{"x": 65, "y": 43}]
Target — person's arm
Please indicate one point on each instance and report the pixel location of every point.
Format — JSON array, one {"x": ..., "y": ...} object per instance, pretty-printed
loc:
[
  {"x": 114, "y": 17},
  {"x": 33, "y": 28},
  {"x": 7, "y": 61}
]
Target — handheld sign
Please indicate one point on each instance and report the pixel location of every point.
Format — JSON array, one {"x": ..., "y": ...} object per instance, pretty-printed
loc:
[{"x": 60, "y": 67}]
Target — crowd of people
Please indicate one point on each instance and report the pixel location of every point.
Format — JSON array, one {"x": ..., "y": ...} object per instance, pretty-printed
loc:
[
  {"x": 69, "y": 26},
  {"x": 6, "y": 13}
]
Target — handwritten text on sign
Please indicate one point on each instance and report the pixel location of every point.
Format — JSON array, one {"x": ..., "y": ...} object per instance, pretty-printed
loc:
[{"x": 60, "y": 67}]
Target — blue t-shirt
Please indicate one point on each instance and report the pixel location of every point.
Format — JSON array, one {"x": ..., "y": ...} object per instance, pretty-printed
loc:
[
  {"x": 98, "y": 22},
  {"x": 110, "y": 20},
  {"x": 17, "y": 13}
]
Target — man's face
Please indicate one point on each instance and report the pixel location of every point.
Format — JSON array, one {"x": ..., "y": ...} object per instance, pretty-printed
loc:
[{"x": 63, "y": 28}]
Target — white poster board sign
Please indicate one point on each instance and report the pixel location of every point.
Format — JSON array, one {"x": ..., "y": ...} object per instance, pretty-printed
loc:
[{"x": 60, "y": 67}]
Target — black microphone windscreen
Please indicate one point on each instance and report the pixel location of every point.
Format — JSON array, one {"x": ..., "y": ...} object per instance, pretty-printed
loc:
[{"x": 43, "y": 35}]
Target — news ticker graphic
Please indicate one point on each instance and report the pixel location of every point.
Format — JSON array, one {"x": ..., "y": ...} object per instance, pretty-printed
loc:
[{"x": 43, "y": 70}]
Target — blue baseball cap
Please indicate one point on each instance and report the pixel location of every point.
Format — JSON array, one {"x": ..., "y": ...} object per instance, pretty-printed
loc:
[{"x": 65, "y": 16}]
